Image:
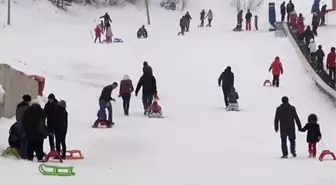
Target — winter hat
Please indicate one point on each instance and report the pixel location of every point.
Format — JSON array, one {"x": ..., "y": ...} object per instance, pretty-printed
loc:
[
  {"x": 284, "y": 99},
  {"x": 312, "y": 118},
  {"x": 26, "y": 97},
  {"x": 145, "y": 63},
  {"x": 332, "y": 49},
  {"x": 62, "y": 103},
  {"x": 277, "y": 58},
  {"x": 228, "y": 68},
  {"x": 51, "y": 96},
  {"x": 320, "y": 46},
  {"x": 115, "y": 84},
  {"x": 126, "y": 77}
]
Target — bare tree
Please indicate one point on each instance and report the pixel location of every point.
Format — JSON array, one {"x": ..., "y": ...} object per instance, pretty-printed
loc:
[{"x": 253, "y": 5}]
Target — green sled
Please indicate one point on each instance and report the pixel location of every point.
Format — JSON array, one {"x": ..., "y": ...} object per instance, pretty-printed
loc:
[
  {"x": 56, "y": 170},
  {"x": 10, "y": 152}
]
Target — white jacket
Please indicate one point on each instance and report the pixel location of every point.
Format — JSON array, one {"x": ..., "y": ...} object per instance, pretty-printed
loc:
[
  {"x": 109, "y": 32},
  {"x": 209, "y": 15},
  {"x": 312, "y": 46}
]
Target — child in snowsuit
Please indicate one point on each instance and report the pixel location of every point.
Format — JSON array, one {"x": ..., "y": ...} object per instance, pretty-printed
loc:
[
  {"x": 256, "y": 22},
  {"x": 293, "y": 17},
  {"x": 125, "y": 91},
  {"x": 61, "y": 128},
  {"x": 276, "y": 68},
  {"x": 210, "y": 17},
  {"x": 15, "y": 136},
  {"x": 109, "y": 34},
  {"x": 233, "y": 97},
  {"x": 98, "y": 32},
  {"x": 314, "y": 134}
]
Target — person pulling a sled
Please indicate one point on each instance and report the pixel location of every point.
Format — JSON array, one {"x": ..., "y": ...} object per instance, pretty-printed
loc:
[
  {"x": 277, "y": 69},
  {"x": 142, "y": 32},
  {"x": 105, "y": 103},
  {"x": 314, "y": 134},
  {"x": 226, "y": 79},
  {"x": 233, "y": 100},
  {"x": 148, "y": 84}
]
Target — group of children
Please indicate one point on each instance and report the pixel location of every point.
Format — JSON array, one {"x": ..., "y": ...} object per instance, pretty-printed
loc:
[{"x": 99, "y": 30}]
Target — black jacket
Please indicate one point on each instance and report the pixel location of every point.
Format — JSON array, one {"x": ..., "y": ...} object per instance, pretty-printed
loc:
[
  {"x": 248, "y": 16},
  {"x": 283, "y": 9},
  {"x": 106, "y": 93},
  {"x": 316, "y": 20},
  {"x": 147, "y": 70},
  {"x": 33, "y": 122},
  {"x": 290, "y": 7},
  {"x": 202, "y": 15},
  {"x": 320, "y": 54},
  {"x": 107, "y": 18},
  {"x": 226, "y": 79},
  {"x": 61, "y": 127},
  {"x": 188, "y": 17},
  {"x": 286, "y": 115},
  {"x": 49, "y": 111},
  {"x": 314, "y": 133},
  {"x": 20, "y": 109},
  {"x": 148, "y": 84},
  {"x": 15, "y": 136}
]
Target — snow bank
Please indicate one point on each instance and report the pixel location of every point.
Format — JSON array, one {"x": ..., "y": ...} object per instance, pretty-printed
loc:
[{"x": 328, "y": 90}]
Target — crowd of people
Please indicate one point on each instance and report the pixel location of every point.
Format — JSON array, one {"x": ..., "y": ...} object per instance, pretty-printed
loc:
[{"x": 34, "y": 124}]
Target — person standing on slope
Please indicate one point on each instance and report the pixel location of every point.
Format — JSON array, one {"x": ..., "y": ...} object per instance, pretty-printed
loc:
[
  {"x": 125, "y": 91},
  {"x": 107, "y": 20},
  {"x": 226, "y": 79},
  {"x": 283, "y": 11},
  {"x": 240, "y": 20},
  {"x": 20, "y": 110},
  {"x": 202, "y": 16},
  {"x": 314, "y": 134},
  {"x": 331, "y": 64},
  {"x": 210, "y": 17},
  {"x": 276, "y": 68},
  {"x": 105, "y": 103},
  {"x": 98, "y": 33},
  {"x": 61, "y": 128},
  {"x": 286, "y": 115},
  {"x": 248, "y": 17},
  {"x": 148, "y": 84},
  {"x": 289, "y": 8},
  {"x": 319, "y": 58},
  {"x": 188, "y": 18},
  {"x": 49, "y": 110}
]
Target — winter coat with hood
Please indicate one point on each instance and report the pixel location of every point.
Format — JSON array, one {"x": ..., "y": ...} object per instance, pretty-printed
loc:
[
  {"x": 98, "y": 31},
  {"x": 106, "y": 93},
  {"x": 331, "y": 59},
  {"x": 226, "y": 79},
  {"x": 49, "y": 110},
  {"x": 290, "y": 7},
  {"x": 148, "y": 84},
  {"x": 188, "y": 17},
  {"x": 126, "y": 86},
  {"x": 308, "y": 34},
  {"x": 107, "y": 18},
  {"x": 233, "y": 96},
  {"x": 147, "y": 69},
  {"x": 314, "y": 132},
  {"x": 33, "y": 122},
  {"x": 248, "y": 16},
  {"x": 293, "y": 17},
  {"x": 276, "y": 67},
  {"x": 287, "y": 116},
  {"x": 312, "y": 46},
  {"x": 300, "y": 24},
  {"x": 209, "y": 15},
  {"x": 61, "y": 127}
]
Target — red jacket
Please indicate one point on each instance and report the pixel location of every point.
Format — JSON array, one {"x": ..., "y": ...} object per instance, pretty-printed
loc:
[
  {"x": 293, "y": 18},
  {"x": 126, "y": 87},
  {"x": 331, "y": 59},
  {"x": 98, "y": 31},
  {"x": 300, "y": 24},
  {"x": 276, "y": 67}
]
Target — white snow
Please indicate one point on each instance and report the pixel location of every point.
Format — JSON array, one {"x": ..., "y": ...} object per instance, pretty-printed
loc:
[{"x": 197, "y": 143}]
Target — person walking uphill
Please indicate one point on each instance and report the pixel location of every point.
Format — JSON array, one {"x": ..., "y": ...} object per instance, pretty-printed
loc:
[
  {"x": 210, "y": 17},
  {"x": 61, "y": 128},
  {"x": 20, "y": 110},
  {"x": 183, "y": 25},
  {"x": 105, "y": 103},
  {"x": 188, "y": 18},
  {"x": 148, "y": 84},
  {"x": 125, "y": 91},
  {"x": 226, "y": 79},
  {"x": 277, "y": 69},
  {"x": 314, "y": 134},
  {"x": 286, "y": 115},
  {"x": 49, "y": 110}
]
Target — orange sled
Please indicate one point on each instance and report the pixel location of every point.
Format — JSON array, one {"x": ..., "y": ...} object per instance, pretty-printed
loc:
[{"x": 74, "y": 155}]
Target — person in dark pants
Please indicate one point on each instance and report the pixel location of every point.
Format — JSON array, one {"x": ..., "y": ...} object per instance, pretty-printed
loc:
[
  {"x": 125, "y": 91},
  {"x": 20, "y": 110},
  {"x": 226, "y": 80},
  {"x": 277, "y": 69},
  {"x": 315, "y": 23},
  {"x": 49, "y": 110},
  {"x": 188, "y": 18},
  {"x": 107, "y": 20},
  {"x": 283, "y": 11},
  {"x": 331, "y": 64},
  {"x": 148, "y": 84},
  {"x": 319, "y": 57},
  {"x": 183, "y": 25},
  {"x": 289, "y": 8},
  {"x": 61, "y": 128},
  {"x": 202, "y": 16},
  {"x": 314, "y": 134},
  {"x": 322, "y": 14},
  {"x": 248, "y": 17},
  {"x": 287, "y": 116},
  {"x": 104, "y": 103},
  {"x": 33, "y": 122}
]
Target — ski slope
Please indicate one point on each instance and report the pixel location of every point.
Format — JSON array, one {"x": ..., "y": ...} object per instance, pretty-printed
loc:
[{"x": 198, "y": 142}]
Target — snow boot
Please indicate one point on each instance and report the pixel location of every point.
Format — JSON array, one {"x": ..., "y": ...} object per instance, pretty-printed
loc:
[{"x": 284, "y": 157}]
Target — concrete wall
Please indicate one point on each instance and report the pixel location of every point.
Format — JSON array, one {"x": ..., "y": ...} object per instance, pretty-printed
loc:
[
  {"x": 16, "y": 84},
  {"x": 319, "y": 82}
]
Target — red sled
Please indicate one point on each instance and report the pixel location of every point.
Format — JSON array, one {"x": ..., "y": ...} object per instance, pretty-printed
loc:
[
  {"x": 326, "y": 152},
  {"x": 267, "y": 83},
  {"x": 54, "y": 155},
  {"x": 74, "y": 155},
  {"x": 101, "y": 124}
]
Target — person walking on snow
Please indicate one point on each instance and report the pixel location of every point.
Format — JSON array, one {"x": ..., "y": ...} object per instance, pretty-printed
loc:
[
  {"x": 125, "y": 91},
  {"x": 61, "y": 128},
  {"x": 276, "y": 68},
  {"x": 105, "y": 103},
  {"x": 148, "y": 84},
  {"x": 107, "y": 20},
  {"x": 183, "y": 25},
  {"x": 210, "y": 17},
  {"x": 322, "y": 14},
  {"x": 289, "y": 8},
  {"x": 248, "y": 17},
  {"x": 286, "y": 116},
  {"x": 109, "y": 34},
  {"x": 98, "y": 33},
  {"x": 188, "y": 18},
  {"x": 283, "y": 11},
  {"x": 319, "y": 58},
  {"x": 49, "y": 110},
  {"x": 331, "y": 64},
  {"x": 315, "y": 23},
  {"x": 226, "y": 80},
  {"x": 314, "y": 134},
  {"x": 202, "y": 16},
  {"x": 20, "y": 110},
  {"x": 312, "y": 50}
]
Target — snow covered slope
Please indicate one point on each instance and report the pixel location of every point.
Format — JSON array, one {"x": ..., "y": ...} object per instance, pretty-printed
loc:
[{"x": 197, "y": 143}]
